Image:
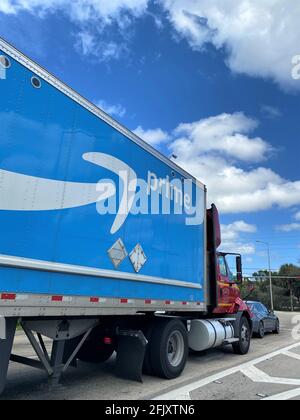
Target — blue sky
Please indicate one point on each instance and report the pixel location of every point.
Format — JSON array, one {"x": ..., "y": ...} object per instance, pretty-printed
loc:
[{"x": 207, "y": 81}]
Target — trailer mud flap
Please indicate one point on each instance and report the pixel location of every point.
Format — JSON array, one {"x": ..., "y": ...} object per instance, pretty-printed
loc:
[
  {"x": 6, "y": 343},
  {"x": 130, "y": 355}
]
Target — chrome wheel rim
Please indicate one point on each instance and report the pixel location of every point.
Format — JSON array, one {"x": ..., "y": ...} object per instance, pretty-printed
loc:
[
  {"x": 245, "y": 336},
  {"x": 175, "y": 348}
]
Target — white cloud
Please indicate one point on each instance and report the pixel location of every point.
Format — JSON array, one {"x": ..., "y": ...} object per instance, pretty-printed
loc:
[
  {"x": 260, "y": 36},
  {"x": 219, "y": 152},
  {"x": 77, "y": 10},
  {"x": 154, "y": 137},
  {"x": 238, "y": 247},
  {"x": 89, "y": 44},
  {"x": 7, "y": 7},
  {"x": 297, "y": 216},
  {"x": 231, "y": 237},
  {"x": 289, "y": 227},
  {"x": 102, "y": 26},
  {"x": 235, "y": 182},
  {"x": 224, "y": 134},
  {"x": 232, "y": 230},
  {"x": 113, "y": 110},
  {"x": 85, "y": 42},
  {"x": 270, "y": 112}
]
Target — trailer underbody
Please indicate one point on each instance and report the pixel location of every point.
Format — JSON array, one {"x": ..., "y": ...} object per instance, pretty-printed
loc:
[{"x": 139, "y": 342}]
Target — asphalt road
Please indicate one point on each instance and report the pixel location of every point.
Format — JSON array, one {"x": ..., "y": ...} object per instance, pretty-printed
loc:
[{"x": 270, "y": 370}]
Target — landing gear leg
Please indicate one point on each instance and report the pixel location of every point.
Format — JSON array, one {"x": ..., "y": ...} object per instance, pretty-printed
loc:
[
  {"x": 8, "y": 328},
  {"x": 68, "y": 337}
]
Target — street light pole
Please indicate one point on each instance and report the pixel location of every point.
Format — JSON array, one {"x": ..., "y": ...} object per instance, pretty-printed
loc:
[{"x": 270, "y": 272}]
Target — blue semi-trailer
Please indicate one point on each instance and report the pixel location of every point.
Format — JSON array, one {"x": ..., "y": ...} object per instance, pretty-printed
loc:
[{"x": 106, "y": 245}]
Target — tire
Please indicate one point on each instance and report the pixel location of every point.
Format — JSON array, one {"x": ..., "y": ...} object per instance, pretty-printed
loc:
[
  {"x": 277, "y": 328},
  {"x": 168, "y": 348},
  {"x": 243, "y": 345},
  {"x": 261, "y": 331},
  {"x": 95, "y": 351}
]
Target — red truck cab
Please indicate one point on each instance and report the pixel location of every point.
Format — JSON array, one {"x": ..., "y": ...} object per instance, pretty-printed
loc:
[
  {"x": 224, "y": 290},
  {"x": 228, "y": 290}
]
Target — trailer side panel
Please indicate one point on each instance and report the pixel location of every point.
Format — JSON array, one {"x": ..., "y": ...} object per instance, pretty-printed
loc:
[{"x": 54, "y": 240}]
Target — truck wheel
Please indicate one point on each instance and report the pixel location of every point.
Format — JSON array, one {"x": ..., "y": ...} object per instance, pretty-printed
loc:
[
  {"x": 95, "y": 351},
  {"x": 169, "y": 348},
  {"x": 261, "y": 330},
  {"x": 243, "y": 345}
]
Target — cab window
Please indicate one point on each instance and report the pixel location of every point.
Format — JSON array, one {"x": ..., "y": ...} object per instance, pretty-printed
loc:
[
  {"x": 222, "y": 266},
  {"x": 231, "y": 277}
]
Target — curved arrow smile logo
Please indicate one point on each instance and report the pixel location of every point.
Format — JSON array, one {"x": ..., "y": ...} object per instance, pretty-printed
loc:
[{"x": 21, "y": 192}]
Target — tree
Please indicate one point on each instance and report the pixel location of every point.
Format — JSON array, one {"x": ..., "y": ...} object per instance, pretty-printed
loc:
[
  {"x": 286, "y": 291},
  {"x": 293, "y": 282}
]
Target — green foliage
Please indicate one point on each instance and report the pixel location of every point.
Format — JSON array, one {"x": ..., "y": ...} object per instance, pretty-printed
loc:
[{"x": 285, "y": 291}]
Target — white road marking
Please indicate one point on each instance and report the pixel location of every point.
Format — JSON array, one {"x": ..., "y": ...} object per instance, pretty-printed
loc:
[
  {"x": 288, "y": 395},
  {"x": 183, "y": 393},
  {"x": 286, "y": 329},
  {"x": 290, "y": 354},
  {"x": 257, "y": 375}
]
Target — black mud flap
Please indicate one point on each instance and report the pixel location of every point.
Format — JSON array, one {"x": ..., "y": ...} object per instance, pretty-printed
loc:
[
  {"x": 5, "y": 349},
  {"x": 130, "y": 355}
]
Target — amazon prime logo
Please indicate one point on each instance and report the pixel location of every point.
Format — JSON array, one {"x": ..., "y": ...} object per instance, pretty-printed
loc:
[
  {"x": 155, "y": 196},
  {"x": 130, "y": 195}
]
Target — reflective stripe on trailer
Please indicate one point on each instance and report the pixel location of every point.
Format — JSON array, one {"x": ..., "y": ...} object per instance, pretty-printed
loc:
[
  {"x": 64, "y": 299},
  {"x": 97, "y": 300},
  {"x": 8, "y": 296},
  {"x": 150, "y": 302},
  {"x": 29, "y": 304},
  {"x": 127, "y": 301}
]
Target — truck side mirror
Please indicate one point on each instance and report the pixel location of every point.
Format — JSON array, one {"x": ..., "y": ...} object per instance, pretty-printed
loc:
[{"x": 239, "y": 269}]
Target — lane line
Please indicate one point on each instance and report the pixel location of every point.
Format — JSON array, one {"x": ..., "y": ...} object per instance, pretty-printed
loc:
[
  {"x": 290, "y": 354},
  {"x": 286, "y": 329},
  {"x": 183, "y": 393},
  {"x": 258, "y": 376},
  {"x": 288, "y": 395}
]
